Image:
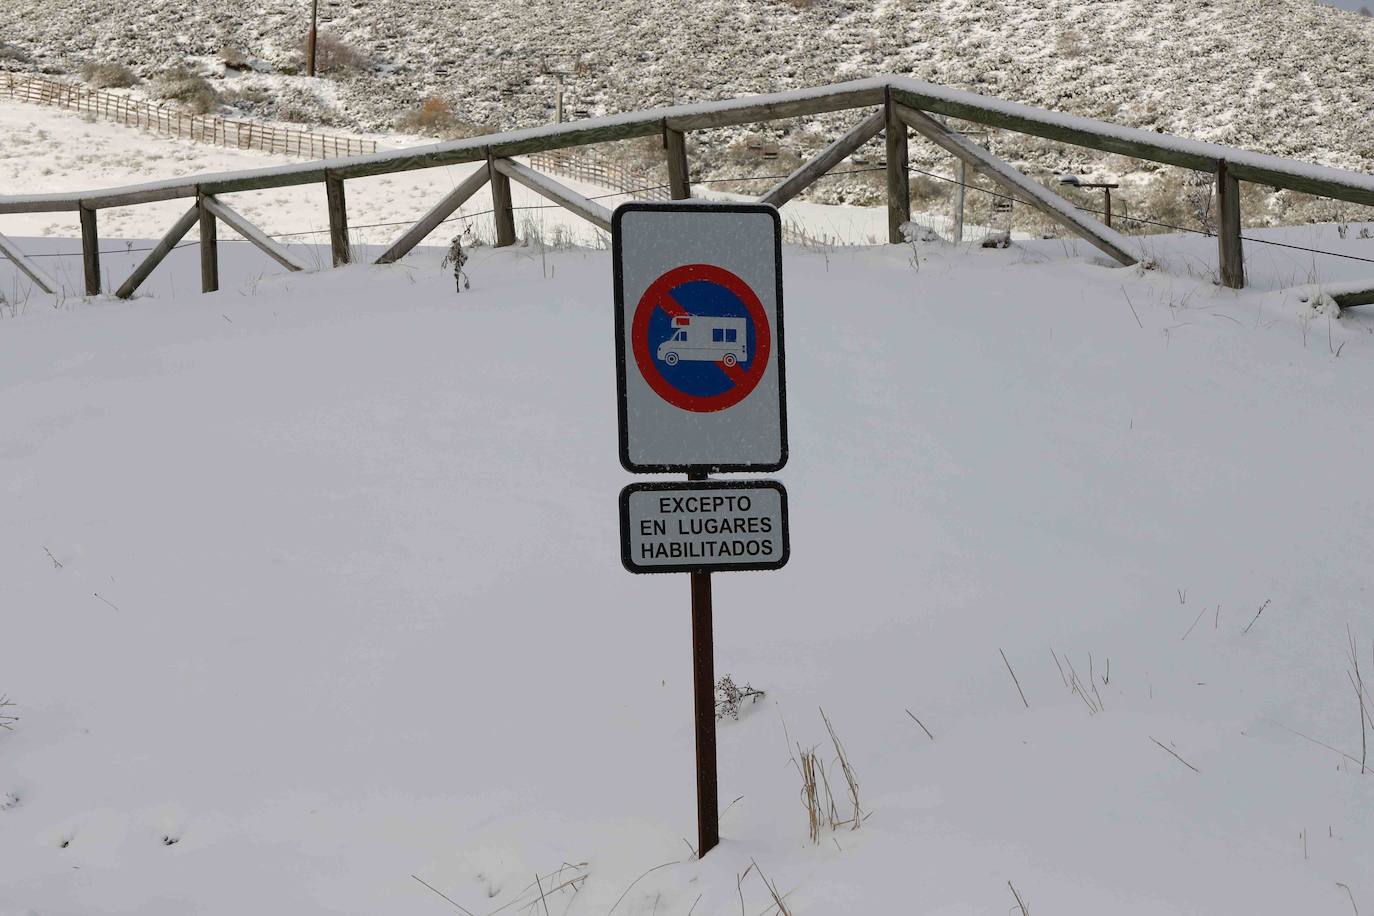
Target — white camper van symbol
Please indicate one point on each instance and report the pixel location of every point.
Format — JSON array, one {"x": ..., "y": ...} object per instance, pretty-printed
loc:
[{"x": 706, "y": 338}]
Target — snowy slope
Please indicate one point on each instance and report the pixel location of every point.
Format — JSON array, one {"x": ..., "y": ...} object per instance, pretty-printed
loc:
[
  {"x": 339, "y": 599},
  {"x": 1288, "y": 77}
]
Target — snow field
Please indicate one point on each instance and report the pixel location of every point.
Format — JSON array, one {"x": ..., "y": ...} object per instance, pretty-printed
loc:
[{"x": 340, "y": 600}]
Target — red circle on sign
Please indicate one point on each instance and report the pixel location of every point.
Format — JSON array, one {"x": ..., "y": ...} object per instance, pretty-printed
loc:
[{"x": 745, "y": 380}]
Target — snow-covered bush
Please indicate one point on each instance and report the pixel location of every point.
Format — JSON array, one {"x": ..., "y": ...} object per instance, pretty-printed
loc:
[
  {"x": 15, "y": 53},
  {"x": 108, "y": 75},
  {"x": 301, "y": 104},
  {"x": 235, "y": 58},
  {"x": 180, "y": 83}
]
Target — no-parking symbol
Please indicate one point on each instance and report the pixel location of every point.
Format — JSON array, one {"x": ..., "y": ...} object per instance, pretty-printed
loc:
[
  {"x": 698, "y": 294},
  {"x": 701, "y": 338}
]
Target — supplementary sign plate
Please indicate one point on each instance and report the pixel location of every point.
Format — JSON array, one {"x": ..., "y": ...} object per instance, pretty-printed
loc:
[
  {"x": 710, "y": 526},
  {"x": 699, "y": 358}
]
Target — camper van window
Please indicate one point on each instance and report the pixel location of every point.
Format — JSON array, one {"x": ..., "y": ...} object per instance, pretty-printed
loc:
[
  {"x": 717, "y": 335},
  {"x": 730, "y": 335}
]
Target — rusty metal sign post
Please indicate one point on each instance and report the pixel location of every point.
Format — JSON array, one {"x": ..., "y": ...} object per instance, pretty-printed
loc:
[{"x": 700, "y": 383}]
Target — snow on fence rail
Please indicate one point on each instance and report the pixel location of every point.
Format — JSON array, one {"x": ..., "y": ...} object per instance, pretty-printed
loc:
[
  {"x": 894, "y": 106},
  {"x": 176, "y": 123}
]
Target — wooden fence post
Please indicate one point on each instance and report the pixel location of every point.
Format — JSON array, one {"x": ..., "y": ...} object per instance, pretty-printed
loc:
[
  {"x": 898, "y": 179},
  {"x": 338, "y": 219},
  {"x": 90, "y": 251},
  {"x": 679, "y": 176},
  {"x": 1231, "y": 258},
  {"x": 503, "y": 213},
  {"x": 209, "y": 249}
]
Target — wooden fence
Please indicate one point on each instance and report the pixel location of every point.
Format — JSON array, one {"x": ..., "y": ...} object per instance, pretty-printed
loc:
[
  {"x": 635, "y": 184},
  {"x": 607, "y": 175},
  {"x": 172, "y": 121},
  {"x": 893, "y": 106}
]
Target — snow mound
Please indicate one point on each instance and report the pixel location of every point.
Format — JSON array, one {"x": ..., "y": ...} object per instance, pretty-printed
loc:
[{"x": 310, "y": 598}]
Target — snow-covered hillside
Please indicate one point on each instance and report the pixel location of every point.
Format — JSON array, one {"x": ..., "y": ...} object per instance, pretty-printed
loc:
[
  {"x": 1288, "y": 77},
  {"x": 312, "y": 585}
]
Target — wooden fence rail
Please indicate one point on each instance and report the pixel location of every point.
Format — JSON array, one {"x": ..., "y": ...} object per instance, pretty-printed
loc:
[
  {"x": 174, "y": 122},
  {"x": 898, "y": 104}
]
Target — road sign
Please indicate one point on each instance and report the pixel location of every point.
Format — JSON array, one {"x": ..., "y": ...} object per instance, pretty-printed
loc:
[
  {"x": 699, "y": 355},
  {"x": 710, "y": 526}
]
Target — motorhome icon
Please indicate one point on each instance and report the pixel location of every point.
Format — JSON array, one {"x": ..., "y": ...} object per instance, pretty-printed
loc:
[{"x": 706, "y": 338}]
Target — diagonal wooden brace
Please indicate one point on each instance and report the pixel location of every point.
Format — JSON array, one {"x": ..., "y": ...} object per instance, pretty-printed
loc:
[
  {"x": 437, "y": 214},
  {"x": 825, "y": 160},
  {"x": 29, "y": 269},
  {"x": 160, "y": 251},
  {"x": 560, "y": 194},
  {"x": 236, "y": 221},
  {"x": 1017, "y": 184}
]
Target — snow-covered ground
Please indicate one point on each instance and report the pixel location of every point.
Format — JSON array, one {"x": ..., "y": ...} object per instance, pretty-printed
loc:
[{"x": 310, "y": 588}]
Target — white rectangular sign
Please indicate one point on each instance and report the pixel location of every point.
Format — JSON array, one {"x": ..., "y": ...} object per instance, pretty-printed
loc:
[
  {"x": 710, "y": 526},
  {"x": 699, "y": 342}
]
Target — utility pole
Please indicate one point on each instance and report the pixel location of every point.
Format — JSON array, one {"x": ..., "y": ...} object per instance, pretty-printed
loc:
[{"x": 310, "y": 38}]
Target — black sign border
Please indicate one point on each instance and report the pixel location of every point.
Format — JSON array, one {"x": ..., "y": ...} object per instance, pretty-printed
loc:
[
  {"x": 629, "y": 563},
  {"x": 622, "y": 406}
]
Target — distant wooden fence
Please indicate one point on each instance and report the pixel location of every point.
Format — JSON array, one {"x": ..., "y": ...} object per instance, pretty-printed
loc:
[
  {"x": 608, "y": 175},
  {"x": 894, "y": 106},
  {"x": 636, "y": 184},
  {"x": 174, "y": 122}
]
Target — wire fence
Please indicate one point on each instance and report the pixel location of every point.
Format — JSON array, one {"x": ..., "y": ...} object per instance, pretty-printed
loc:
[{"x": 174, "y": 122}]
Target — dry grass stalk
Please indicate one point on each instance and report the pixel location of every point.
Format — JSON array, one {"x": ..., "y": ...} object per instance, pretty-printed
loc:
[
  {"x": 1093, "y": 701},
  {"x": 460, "y": 907},
  {"x": 1175, "y": 755},
  {"x": 1014, "y": 679},
  {"x": 809, "y": 794},
  {"x": 739, "y": 887},
  {"x": 1257, "y": 615},
  {"x": 633, "y": 883},
  {"x": 1195, "y": 622},
  {"x": 555, "y": 885},
  {"x": 920, "y": 723},
  {"x": 1062, "y": 676},
  {"x": 1361, "y": 696},
  {"x": 539, "y": 884},
  {"x": 1346, "y": 888},
  {"x": 1295, "y": 732},
  {"x": 1025, "y": 911},
  {"x": 849, "y": 776},
  {"x": 772, "y": 890},
  {"x": 6, "y": 720}
]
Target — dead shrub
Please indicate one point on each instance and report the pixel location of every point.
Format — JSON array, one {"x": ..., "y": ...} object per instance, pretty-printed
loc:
[
  {"x": 108, "y": 75},
  {"x": 334, "y": 55},
  {"x": 179, "y": 83},
  {"x": 434, "y": 117}
]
